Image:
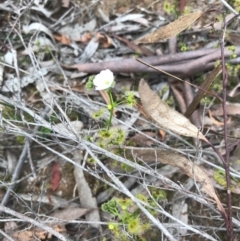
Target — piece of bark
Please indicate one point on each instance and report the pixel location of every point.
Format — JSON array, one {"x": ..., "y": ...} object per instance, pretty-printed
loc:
[
  {"x": 183, "y": 68},
  {"x": 155, "y": 60}
]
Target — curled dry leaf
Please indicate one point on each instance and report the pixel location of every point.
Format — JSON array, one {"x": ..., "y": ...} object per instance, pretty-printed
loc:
[
  {"x": 205, "y": 85},
  {"x": 231, "y": 109},
  {"x": 193, "y": 171},
  {"x": 38, "y": 27},
  {"x": 183, "y": 163},
  {"x": 165, "y": 116},
  {"x": 171, "y": 29},
  {"x": 104, "y": 40},
  {"x": 235, "y": 91},
  {"x": 87, "y": 200},
  {"x": 71, "y": 213},
  {"x": 63, "y": 39}
]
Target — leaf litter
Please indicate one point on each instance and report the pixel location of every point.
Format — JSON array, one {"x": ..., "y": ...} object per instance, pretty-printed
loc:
[
  {"x": 63, "y": 36},
  {"x": 171, "y": 29},
  {"x": 165, "y": 116}
]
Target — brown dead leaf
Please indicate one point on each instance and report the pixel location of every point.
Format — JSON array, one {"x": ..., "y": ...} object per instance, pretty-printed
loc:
[
  {"x": 24, "y": 235},
  {"x": 187, "y": 166},
  {"x": 163, "y": 134},
  {"x": 104, "y": 40},
  {"x": 105, "y": 96},
  {"x": 171, "y": 29},
  {"x": 165, "y": 116},
  {"x": 216, "y": 122},
  {"x": 71, "y": 213},
  {"x": 231, "y": 109},
  {"x": 233, "y": 38},
  {"x": 235, "y": 91},
  {"x": 63, "y": 39},
  {"x": 85, "y": 38},
  {"x": 193, "y": 171},
  {"x": 205, "y": 85},
  {"x": 35, "y": 234},
  {"x": 85, "y": 194}
]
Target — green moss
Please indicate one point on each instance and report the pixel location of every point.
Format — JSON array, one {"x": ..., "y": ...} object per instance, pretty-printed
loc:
[
  {"x": 68, "y": 168},
  {"x": 158, "y": 194},
  {"x": 236, "y": 5},
  {"x": 216, "y": 87},
  {"x": 233, "y": 71},
  {"x": 142, "y": 198},
  {"x": 217, "y": 63},
  {"x": 20, "y": 139},
  {"x": 220, "y": 177},
  {"x": 170, "y": 101},
  {"x": 169, "y": 8},
  {"x": 91, "y": 161},
  {"x": 183, "y": 47},
  {"x": 89, "y": 85},
  {"x": 98, "y": 114},
  {"x": 5, "y": 178},
  {"x": 126, "y": 168},
  {"x": 163, "y": 91},
  {"x": 72, "y": 115},
  {"x": 187, "y": 10},
  {"x": 206, "y": 100},
  {"x": 137, "y": 54},
  {"x": 24, "y": 61},
  {"x": 11, "y": 113},
  {"x": 233, "y": 49},
  {"x": 47, "y": 49}
]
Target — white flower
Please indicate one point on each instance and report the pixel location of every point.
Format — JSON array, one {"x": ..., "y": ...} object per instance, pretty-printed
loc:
[{"x": 104, "y": 80}]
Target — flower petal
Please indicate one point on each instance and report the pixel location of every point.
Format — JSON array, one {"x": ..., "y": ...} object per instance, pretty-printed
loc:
[{"x": 103, "y": 80}]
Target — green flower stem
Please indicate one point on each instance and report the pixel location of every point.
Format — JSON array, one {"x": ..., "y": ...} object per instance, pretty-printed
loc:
[{"x": 111, "y": 108}]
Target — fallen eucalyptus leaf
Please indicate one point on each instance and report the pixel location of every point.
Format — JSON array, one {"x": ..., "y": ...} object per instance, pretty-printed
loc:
[
  {"x": 170, "y": 30},
  {"x": 165, "y": 116},
  {"x": 87, "y": 199},
  {"x": 184, "y": 164},
  {"x": 205, "y": 85},
  {"x": 38, "y": 27},
  {"x": 71, "y": 213}
]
